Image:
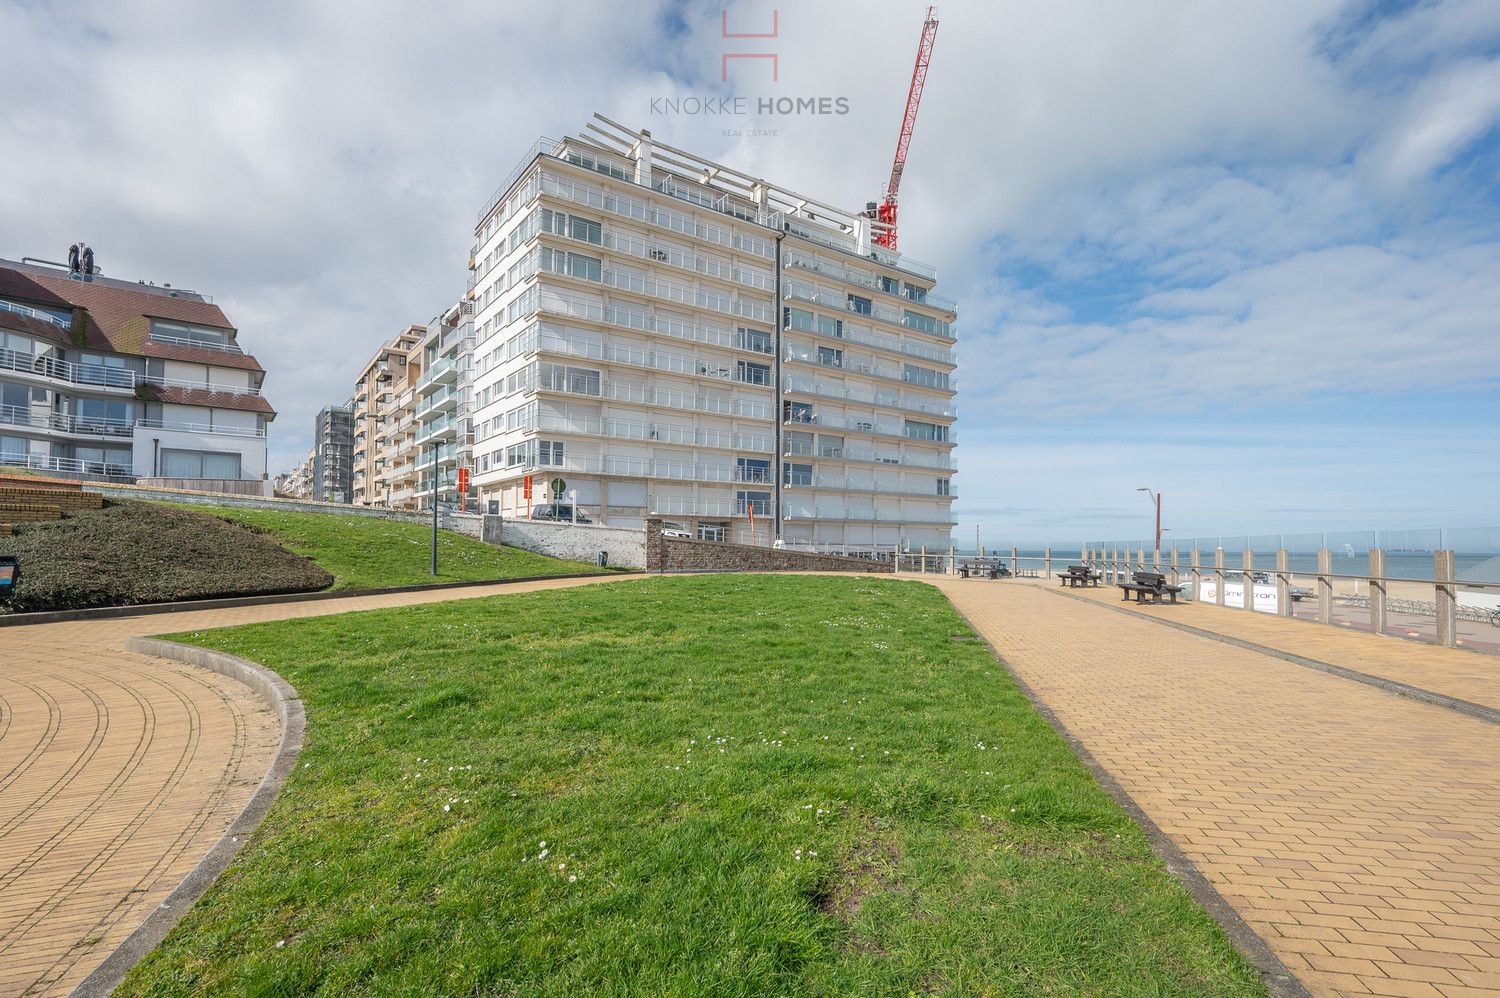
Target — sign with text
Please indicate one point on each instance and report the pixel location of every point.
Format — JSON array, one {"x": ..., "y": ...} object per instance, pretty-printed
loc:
[
  {"x": 1234, "y": 595},
  {"x": 526, "y": 487}
]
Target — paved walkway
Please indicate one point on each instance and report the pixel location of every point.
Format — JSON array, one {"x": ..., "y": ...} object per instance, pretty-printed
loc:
[
  {"x": 1356, "y": 831},
  {"x": 118, "y": 772},
  {"x": 1464, "y": 675}
]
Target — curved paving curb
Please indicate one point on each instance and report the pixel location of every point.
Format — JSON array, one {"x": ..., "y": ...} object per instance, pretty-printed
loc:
[
  {"x": 1278, "y": 979},
  {"x": 283, "y": 699},
  {"x": 148, "y": 609},
  {"x": 1468, "y": 707}
]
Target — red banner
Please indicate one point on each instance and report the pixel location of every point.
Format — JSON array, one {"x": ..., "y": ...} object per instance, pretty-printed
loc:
[{"x": 527, "y": 486}]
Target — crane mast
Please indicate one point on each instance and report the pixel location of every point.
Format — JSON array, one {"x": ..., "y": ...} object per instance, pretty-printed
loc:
[{"x": 885, "y": 212}]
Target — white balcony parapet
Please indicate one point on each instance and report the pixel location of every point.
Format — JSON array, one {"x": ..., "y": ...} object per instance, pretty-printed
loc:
[
  {"x": 92, "y": 375},
  {"x": 205, "y": 428}
]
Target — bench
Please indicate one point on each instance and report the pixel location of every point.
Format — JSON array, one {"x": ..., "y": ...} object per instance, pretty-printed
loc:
[
  {"x": 1152, "y": 584},
  {"x": 998, "y": 572},
  {"x": 1079, "y": 575}
]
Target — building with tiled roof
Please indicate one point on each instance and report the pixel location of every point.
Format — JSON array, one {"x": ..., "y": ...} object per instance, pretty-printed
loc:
[{"x": 110, "y": 379}]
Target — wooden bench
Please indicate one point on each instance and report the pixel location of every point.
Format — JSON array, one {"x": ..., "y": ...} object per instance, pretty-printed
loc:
[
  {"x": 1079, "y": 575},
  {"x": 1152, "y": 584}
]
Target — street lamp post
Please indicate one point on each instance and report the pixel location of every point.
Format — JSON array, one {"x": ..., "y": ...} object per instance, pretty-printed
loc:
[
  {"x": 1156, "y": 501},
  {"x": 434, "y": 506}
]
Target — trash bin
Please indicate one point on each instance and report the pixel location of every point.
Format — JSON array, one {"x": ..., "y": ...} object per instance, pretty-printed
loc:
[
  {"x": 10, "y": 576},
  {"x": 602, "y": 559}
]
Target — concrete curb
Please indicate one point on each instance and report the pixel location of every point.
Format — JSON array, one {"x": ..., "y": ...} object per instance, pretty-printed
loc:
[
  {"x": 1466, "y": 707},
  {"x": 147, "y": 609},
  {"x": 1279, "y": 981},
  {"x": 282, "y": 698}
]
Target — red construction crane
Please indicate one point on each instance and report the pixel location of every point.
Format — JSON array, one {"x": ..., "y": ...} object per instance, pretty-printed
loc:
[{"x": 886, "y": 211}]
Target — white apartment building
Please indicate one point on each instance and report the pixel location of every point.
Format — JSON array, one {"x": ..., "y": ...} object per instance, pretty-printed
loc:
[
  {"x": 669, "y": 336},
  {"x": 109, "y": 379}
]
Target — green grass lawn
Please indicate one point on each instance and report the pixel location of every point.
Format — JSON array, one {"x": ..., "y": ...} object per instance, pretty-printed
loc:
[
  {"x": 368, "y": 552},
  {"x": 721, "y": 785}
]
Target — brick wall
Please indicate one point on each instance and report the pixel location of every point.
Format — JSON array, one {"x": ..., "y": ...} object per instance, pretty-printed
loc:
[{"x": 674, "y": 554}]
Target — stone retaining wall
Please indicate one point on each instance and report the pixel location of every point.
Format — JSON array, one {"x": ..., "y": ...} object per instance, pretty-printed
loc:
[
  {"x": 625, "y": 546},
  {"x": 675, "y": 554}
]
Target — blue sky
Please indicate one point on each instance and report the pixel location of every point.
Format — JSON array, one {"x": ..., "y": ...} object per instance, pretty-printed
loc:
[{"x": 1247, "y": 255}]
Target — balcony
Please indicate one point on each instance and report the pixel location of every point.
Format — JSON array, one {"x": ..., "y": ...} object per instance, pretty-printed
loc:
[
  {"x": 869, "y": 427},
  {"x": 934, "y": 462},
  {"x": 891, "y": 400},
  {"x": 793, "y": 511},
  {"x": 66, "y": 466},
  {"x": 825, "y": 482},
  {"x": 67, "y": 372},
  {"x": 23, "y": 416},
  {"x": 203, "y": 428},
  {"x": 187, "y": 341},
  {"x": 438, "y": 429}
]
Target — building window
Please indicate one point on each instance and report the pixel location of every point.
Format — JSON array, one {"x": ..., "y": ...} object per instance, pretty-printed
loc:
[
  {"x": 798, "y": 318},
  {"x": 759, "y": 502},
  {"x": 915, "y": 293},
  {"x": 749, "y": 469},
  {"x": 797, "y": 412},
  {"x": 858, "y": 305},
  {"x": 830, "y": 357},
  {"x": 925, "y": 323},
  {"x": 14, "y": 449},
  {"x": 831, "y": 327},
  {"x": 754, "y": 374},
  {"x": 798, "y": 442},
  {"x": 199, "y": 464},
  {"x": 799, "y": 474},
  {"x": 945, "y": 486},
  {"x": 890, "y": 285},
  {"x": 711, "y": 531},
  {"x": 550, "y": 453},
  {"x": 926, "y": 431},
  {"x": 754, "y": 339},
  {"x": 914, "y": 375}
]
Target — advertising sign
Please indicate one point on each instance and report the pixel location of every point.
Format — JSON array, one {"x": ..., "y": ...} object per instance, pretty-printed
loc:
[
  {"x": 526, "y": 485},
  {"x": 1234, "y": 595}
]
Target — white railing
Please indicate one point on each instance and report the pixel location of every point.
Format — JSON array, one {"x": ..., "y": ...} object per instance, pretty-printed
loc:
[
  {"x": 188, "y": 341},
  {"x": 202, "y": 386},
  {"x": 935, "y": 462},
  {"x": 94, "y": 375},
  {"x": 65, "y": 465},
  {"x": 31, "y": 313},
  {"x": 809, "y": 386},
  {"x": 14, "y": 415},
  {"x": 205, "y": 428}
]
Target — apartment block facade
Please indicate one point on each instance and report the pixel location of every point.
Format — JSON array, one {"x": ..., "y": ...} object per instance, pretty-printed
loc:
[
  {"x": 664, "y": 335},
  {"x": 333, "y": 454},
  {"x": 384, "y": 473},
  {"x": 118, "y": 380}
]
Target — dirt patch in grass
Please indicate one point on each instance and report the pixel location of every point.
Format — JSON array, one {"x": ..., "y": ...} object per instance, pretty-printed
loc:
[{"x": 130, "y": 553}]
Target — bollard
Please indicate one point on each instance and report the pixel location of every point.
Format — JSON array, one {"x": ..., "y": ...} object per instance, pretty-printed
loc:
[
  {"x": 1283, "y": 583},
  {"x": 1325, "y": 586},
  {"x": 1247, "y": 562},
  {"x": 1446, "y": 597},
  {"x": 1047, "y": 558},
  {"x": 1377, "y": 591},
  {"x": 924, "y": 559},
  {"x": 952, "y": 560},
  {"x": 1013, "y": 572}
]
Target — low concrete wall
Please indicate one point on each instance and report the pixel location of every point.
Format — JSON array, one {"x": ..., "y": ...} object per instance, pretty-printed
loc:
[
  {"x": 574, "y": 541},
  {"x": 675, "y": 554},
  {"x": 468, "y": 524}
]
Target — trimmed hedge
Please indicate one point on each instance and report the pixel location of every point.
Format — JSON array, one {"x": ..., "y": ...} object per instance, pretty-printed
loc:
[{"x": 136, "y": 552}]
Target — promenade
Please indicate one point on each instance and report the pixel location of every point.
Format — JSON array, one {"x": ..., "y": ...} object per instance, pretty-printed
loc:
[{"x": 1356, "y": 831}]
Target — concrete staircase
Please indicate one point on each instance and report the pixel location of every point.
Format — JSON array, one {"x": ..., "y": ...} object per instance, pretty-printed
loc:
[{"x": 24, "y": 499}]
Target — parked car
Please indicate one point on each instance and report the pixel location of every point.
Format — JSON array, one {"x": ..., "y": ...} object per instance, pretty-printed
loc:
[
  {"x": 675, "y": 530},
  {"x": 561, "y": 512}
]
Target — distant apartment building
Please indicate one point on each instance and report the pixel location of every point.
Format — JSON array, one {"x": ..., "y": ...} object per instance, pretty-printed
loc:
[
  {"x": 668, "y": 336},
  {"x": 118, "y": 380},
  {"x": 297, "y": 483},
  {"x": 384, "y": 404},
  {"x": 444, "y": 436},
  {"x": 333, "y": 454}
]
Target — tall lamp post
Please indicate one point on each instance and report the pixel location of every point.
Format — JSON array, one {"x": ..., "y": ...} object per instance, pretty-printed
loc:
[
  {"x": 434, "y": 506},
  {"x": 1156, "y": 501}
]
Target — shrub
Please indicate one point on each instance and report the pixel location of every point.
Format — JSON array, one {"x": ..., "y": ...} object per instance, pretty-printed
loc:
[{"x": 135, "y": 552}]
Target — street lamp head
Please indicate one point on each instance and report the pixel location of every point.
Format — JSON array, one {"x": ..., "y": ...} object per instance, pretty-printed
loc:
[{"x": 1143, "y": 489}]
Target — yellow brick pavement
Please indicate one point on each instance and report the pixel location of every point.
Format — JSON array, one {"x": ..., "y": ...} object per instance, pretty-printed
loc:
[
  {"x": 1356, "y": 831},
  {"x": 1464, "y": 675},
  {"x": 118, "y": 772}
]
